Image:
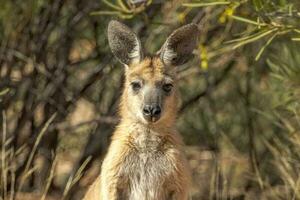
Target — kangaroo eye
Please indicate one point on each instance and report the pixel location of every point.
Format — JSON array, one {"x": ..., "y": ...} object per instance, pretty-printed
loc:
[
  {"x": 167, "y": 87},
  {"x": 136, "y": 86}
]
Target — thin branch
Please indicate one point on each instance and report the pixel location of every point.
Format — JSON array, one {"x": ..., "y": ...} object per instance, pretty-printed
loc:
[{"x": 103, "y": 119}]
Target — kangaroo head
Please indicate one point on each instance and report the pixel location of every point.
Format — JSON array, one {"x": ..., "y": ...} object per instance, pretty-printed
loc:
[{"x": 150, "y": 92}]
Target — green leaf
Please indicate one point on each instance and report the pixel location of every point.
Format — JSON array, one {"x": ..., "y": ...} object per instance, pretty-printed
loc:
[
  {"x": 257, "y": 4},
  {"x": 3, "y": 92},
  {"x": 123, "y": 6},
  {"x": 206, "y": 4},
  {"x": 105, "y": 13},
  {"x": 253, "y": 39},
  {"x": 248, "y": 21},
  {"x": 113, "y": 5},
  {"x": 264, "y": 47}
]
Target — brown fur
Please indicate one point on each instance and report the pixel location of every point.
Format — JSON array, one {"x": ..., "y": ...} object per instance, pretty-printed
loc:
[
  {"x": 145, "y": 160},
  {"x": 138, "y": 151}
]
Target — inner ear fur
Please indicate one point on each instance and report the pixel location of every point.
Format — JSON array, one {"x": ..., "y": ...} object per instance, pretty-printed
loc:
[
  {"x": 178, "y": 48},
  {"x": 124, "y": 43}
]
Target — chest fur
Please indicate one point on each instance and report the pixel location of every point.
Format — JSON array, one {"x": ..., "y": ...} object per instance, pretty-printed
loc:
[{"x": 146, "y": 168}]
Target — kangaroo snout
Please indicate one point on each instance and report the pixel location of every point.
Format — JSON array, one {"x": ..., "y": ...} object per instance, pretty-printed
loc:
[{"x": 151, "y": 112}]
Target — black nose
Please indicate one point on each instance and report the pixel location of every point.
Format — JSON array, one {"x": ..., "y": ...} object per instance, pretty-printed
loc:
[{"x": 151, "y": 111}]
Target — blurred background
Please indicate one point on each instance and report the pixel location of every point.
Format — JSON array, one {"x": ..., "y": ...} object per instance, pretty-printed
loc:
[{"x": 60, "y": 85}]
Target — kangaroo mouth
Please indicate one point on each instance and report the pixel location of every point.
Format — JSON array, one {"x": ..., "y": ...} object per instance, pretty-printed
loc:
[{"x": 151, "y": 119}]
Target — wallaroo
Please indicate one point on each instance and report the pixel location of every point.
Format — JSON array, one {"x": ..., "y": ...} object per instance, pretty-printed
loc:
[{"x": 145, "y": 160}]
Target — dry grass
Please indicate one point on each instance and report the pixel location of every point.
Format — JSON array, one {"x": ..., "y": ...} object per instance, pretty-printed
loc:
[
  {"x": 10, "y": 158},
  {"x": 221, "y": 176},
  {"x": 216, "y": 177}
]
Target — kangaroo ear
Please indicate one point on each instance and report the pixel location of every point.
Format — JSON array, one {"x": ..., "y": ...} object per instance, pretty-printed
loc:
[
  {"x": 124, "y": 43},
  {"x": 178, "y": 48}
]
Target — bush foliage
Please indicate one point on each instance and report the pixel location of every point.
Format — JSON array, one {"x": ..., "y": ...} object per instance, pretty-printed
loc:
[{"x": 60, "y": 85}]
